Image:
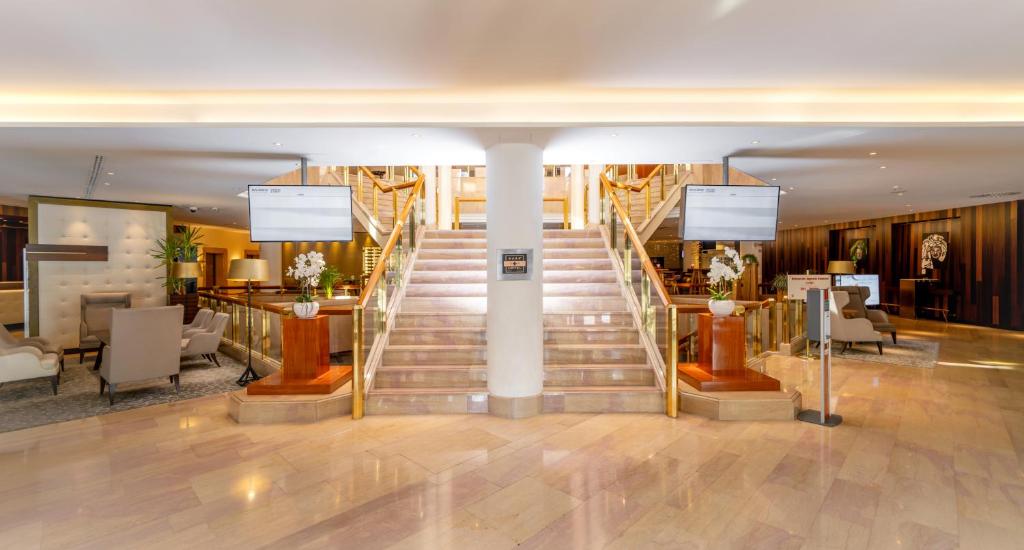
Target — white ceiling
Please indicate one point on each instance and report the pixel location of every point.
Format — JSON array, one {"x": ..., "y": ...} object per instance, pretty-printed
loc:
[
  {"x": 122, "y": 45},
  {"x": 833, "y": 175}
]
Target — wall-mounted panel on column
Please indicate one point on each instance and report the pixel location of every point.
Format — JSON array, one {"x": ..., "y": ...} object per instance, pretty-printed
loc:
[{"x": 515, "y": 305}]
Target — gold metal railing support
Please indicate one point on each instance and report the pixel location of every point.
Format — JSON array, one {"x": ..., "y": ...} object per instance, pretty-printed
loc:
[
  {"x": 457, "y": 224},
  {"x": 672, "y": 364},
  {"x": 357, "y": 362}
]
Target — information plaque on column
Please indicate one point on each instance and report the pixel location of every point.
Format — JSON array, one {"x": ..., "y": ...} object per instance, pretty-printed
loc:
[{"x": 515, "y": 264}]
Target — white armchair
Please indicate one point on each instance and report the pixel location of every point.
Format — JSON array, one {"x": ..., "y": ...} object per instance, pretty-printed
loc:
[
  {"x": 7, "y": 340},
  {"x": 144, "y": 343},
  {"x": 199, "y": 324},
  {"x": 850, "y": 331},
  {"x": 205, "y": 343},
  {"x": 27, "y": 363}
]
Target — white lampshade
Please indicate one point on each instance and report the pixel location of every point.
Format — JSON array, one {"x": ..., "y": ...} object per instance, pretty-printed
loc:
[{"x": 254, "y": 270}]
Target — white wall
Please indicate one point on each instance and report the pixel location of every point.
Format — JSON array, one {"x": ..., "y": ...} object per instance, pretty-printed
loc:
[{"x": 129, "y": 235}]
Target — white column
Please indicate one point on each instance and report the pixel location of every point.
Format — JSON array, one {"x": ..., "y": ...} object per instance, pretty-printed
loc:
[
  {"x": 594, "y": 193},
  {"x": 271, "y": 252},
  {"x": 515, "y": 309},
  {"x": 430, "y": 190},
  {"x": 444, "y": 197},
  {"x": 577, "y": 188}
]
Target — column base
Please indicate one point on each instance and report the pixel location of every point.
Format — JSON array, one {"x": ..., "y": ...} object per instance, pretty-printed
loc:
[{"x": 515, "y": 407}]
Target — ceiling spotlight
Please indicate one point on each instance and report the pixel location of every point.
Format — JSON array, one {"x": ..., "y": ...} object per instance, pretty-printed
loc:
[
  {"x": 900, "y": 194},
  {"x": 110, "y": 173},
  {"x": 107, "y": 183},
  {"x": 755, "y": 142},
  {"x": 881, "y": 167},
  {"x": 792, "y": 188},
  {"x": 215, "y": 209},
  {"x": 782, "y": 191},
  {"x": 873, "y": 153},
  {"x": 615, "y": 135},
  {"x": 907, "y": 205},
  {"x": 277, "y": 144},
  {"x": 773, "y": 179},
  {"x": 895, "y": 186}
]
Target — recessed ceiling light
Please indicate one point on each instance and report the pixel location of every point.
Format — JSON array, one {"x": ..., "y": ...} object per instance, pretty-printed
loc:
[
  {"x": 755, "y": 142},
  {"x": 900, "y": 194},
  {"x": 792, "y": 188},
  {"x": 773, "y": 179},
  {"x": 243, "y": 194},
  {"x": 873, "y": 153},
  {"x": 907, "y": 205},
  {"x": 881, "y": 167},
  {"x": 895, "y": 186},
  {"x": 782, "y": 191},
  {"x": 107, "y": 183},
  {"x": 215, "y": 209},
  {"x": 110, "y": 173},
  {"x": 615, "y": 135},
  {"x": 415, "y": 135},
  {"x": 277, "y": 144}
]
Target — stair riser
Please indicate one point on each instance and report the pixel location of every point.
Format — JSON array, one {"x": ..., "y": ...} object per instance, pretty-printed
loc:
[
  {"x": 480, "y": 289},
  {"x": 427, "y": 403},
  {"x": 438, "y": 338},
  {"x": 454, "y": 320},
  {"x": 618, "y": 319},
  {"x": 480, "y": 276},
  {"x": 432, "y": 378},
  {"x": 481, "y": 265},
  {"x": 574, "y": 243},
  {"x": 481, "y": 253},
  {"x": 626, "y": 336},
  {"x": 612, "y": 355},
  {"x": 598, "y": 402},
  {"x": 568, "y": 376},
  {"x": 479, "y": 304},
  {"x": 439, "y": 356},
  {"x": 454, "y": 243},
  {"x": 432, "y": 234}
]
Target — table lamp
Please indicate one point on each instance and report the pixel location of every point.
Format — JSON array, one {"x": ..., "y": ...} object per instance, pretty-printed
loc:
[
  {"x": 249, "y": 270},
  {"x": 840, "y": 267}
]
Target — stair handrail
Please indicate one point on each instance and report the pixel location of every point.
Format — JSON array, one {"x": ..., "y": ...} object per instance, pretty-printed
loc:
[
  {"x": 386, "y": 188},
  {"x": 652, "y": 281},
  {"x": 359, "y": 385},
  {"x": 644, "y": 186}
]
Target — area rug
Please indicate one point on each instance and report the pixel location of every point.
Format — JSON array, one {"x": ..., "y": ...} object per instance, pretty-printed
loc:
[
  {"x": 909, "y": 352},
  {"x": 29, "y": 403}
]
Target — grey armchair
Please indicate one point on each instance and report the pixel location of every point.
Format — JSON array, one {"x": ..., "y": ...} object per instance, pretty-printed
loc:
[
  {"x": 144, "y": 343},
  {"x": 205, "y": 343},
  {"x": 850, "y": 331},
  {"x": 199, "y": 324},
  {"x": 96, "y": 308},
  {"x": 858, "y": 309}
]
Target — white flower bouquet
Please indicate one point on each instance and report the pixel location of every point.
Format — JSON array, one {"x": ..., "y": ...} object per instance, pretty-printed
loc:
[
  {"x": 306, "y": 271},
  {"x": 724, "y": 272}
]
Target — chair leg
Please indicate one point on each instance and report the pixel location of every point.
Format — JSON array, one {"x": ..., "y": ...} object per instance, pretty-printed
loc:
[
  {"x": 54, "y": 382},
  {"x": 110, "y": 393},
  {"x": 175, "y": 378},
  {"x": 215, "y": 360},
  {"x": 62, "y": 363},
  {"x": 879, "y": 348},
  {"x": 103, "y": 384},
  {"x": 81, "y": 356},
  {"x": 893, "y": 337}
]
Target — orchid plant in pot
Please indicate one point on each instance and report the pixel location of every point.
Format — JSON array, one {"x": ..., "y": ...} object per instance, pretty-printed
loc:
[
  {"x": 725, "y": 271},
  {"x": 306, "y": 271}
]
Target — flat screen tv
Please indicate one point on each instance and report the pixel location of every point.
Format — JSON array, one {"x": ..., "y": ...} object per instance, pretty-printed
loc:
[
  {"x": 870, "y": 281},
  {"x": 283, "y": 213},
  {"x": 729, "y": 213}
]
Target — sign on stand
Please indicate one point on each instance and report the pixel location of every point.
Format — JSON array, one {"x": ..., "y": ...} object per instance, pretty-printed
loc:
[
  {"x": 798, "y": 285},
  {"x": 819, "y": 324}
]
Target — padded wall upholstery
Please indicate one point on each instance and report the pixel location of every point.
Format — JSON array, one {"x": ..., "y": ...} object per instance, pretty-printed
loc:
[{"x": 129, "y": 236}]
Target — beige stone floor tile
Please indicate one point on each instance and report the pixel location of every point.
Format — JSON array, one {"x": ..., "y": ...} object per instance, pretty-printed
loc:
[
  {"x": 459, "y": 531},
  {"x": 523, "y": 508}
]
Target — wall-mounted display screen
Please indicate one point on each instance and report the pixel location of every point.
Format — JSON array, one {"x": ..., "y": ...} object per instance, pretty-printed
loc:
[
  {"x": 729, "y": 213},
  {"x": 282, "y": 213},
  {"x": 870, "y": 281}
]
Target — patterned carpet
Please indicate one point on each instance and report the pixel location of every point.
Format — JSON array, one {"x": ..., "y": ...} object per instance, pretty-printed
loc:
[
  {"x": 29, "y": 403},
  {"x": 909, "y": 352}
]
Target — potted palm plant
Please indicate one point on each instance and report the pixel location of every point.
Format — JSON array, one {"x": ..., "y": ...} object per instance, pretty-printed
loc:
[
  {"x": 328, "y": 279},
  {"x": 179, "y": 255}
]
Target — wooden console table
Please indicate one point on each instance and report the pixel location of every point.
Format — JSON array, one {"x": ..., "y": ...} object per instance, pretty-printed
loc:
[
  {"x": 305, "y": 361},
  {"x": 721, "y": 358}
]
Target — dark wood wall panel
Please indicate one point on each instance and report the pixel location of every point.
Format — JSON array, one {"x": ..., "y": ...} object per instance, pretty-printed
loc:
[{"x": 982, "y": 272}]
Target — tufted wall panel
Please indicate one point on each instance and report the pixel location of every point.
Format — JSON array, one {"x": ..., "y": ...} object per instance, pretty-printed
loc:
[{"x": 128, "y": 234}]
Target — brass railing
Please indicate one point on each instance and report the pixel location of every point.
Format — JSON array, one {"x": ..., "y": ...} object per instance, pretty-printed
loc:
[
  {"x": 381, "y": 187},
  {"x": 457, "y": 214},
  {"x": 644, "y": 186},
  {"x": 373, "y": 311},
  {"x": 640, "y": 278}
]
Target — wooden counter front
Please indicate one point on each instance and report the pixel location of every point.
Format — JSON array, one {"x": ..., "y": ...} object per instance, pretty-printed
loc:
[
  {"x": 722, "y": 358},
  {"x": 305, "y": 350}
]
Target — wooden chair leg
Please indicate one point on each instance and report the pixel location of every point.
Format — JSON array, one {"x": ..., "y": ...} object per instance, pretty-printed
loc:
[
  {"x": 54, "y": 382},
  {"x": 177, "y": 384},
  {"x": 215, "y": 360},
  {"x": 110, "y": 393},
  {"x": 879, "y": 348},
  {"x": 81, "y": 357},
  {"x": 103, "y": 384},
  {"x": 893, "y": 337}
]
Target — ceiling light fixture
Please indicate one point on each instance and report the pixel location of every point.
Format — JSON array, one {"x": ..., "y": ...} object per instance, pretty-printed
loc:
[
  {"x": 107, "y": 183},
  {"x": 277, "y": 144},
  {"x": 415, "y": 135},
  {"x": 755, "y": 142},
  {"x": 791, "y": 188},
  {"x": 873, "y": 153},
  {"x": 782, "y": 191},
  {"x": 773, "y": 179},
  {"x": 881, "y": 167},
  {"x": 110, "y": 173},
  {"x": 615, "y": 135}
]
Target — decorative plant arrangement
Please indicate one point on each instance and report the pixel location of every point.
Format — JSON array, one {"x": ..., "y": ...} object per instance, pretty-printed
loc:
[
  {"x": 781, "y": 283},
  {"x": 307, "y": 270},
  {"x": 181, "y": 250},
  {"x": 724, "y": 272},
  {"x": 328, "y": 278}
]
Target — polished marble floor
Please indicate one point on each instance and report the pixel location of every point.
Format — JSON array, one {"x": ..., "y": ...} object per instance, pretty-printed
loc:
[{"x": 927, "y": 458}]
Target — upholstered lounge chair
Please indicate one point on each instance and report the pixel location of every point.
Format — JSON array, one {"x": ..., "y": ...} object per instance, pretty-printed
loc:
[
  {"x": 96, "y": 307},
  {"x": 28, "y": 362},
  {"x": 205, "y": 343},
  {"x": 858, "y": 307},
  {"x": 850, "y": 331},
  {"x": 7, "y": 340},
  {"x": 144, "y": 343},
  {"x": 199, "y": 324}
]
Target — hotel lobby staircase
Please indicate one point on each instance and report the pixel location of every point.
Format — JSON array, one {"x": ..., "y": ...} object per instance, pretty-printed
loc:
[{"x": 436, "y": 357}]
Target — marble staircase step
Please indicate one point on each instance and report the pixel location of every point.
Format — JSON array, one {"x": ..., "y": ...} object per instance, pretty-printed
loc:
[
  {"x": 481, "y": 253},
  {"x": 434, "y": 319},
  {"x": 588, "y": 318},
  {"x": 480, "y": 289},
  {"x": 592, "y": 335},
  {"x": 480, "y": 276},
  {"x": 565, "y": 264},
  {"x": 444, "y": 336},
  {"x": 454, "y": 243},
  {"x": 435, "y": 355},
  {"x": 596, "y": 399},
  {"x": 426, "y": 401},
  {"x": 593, "y": 353},
  {"x": 598, "y": 375},
  {"x": 431, "y": 376},
  {"x": 478, "y": 304},
  {"x": 455, "y": 234}
]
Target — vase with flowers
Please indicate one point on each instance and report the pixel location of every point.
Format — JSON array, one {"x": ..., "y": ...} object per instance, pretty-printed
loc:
[
  {"x": 306, "y": 271},
  {"x": 725, "y": 271}
]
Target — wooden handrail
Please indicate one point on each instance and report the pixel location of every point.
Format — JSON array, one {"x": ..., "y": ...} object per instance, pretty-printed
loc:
[
  {"x": 644, "y": 183},
  {"x": 389, "y": 246},
  {"x": 389, "y": 188},
  {"x": 638, "y": 246},
  {"x": 459, "y": 200}
]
